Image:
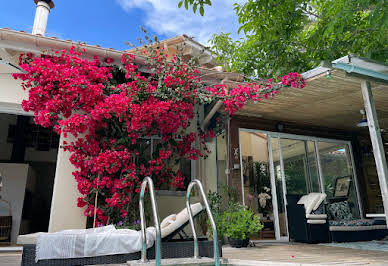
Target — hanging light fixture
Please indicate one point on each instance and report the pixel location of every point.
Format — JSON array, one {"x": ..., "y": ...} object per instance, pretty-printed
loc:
[
  {"x": 328, "y": 75},
  {"x": 363, "y": 122}
]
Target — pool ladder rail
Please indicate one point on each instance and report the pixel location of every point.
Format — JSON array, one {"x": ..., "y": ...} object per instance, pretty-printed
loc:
[
  {"x": 195, "y": 182},
  {"x": 210, "y": 216}
]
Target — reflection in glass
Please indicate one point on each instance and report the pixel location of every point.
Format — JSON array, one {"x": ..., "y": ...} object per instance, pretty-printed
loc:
[
  {"x": 295, "y": 166},
  {"x": 256, "y": 179},
  {"x": 279, "y": 187},
  {"x": 312, "y": 167},
  {"x": 337, "y": 174}
]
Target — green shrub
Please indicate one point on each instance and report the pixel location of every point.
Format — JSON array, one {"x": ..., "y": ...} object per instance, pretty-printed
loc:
[{"x": 238, "y": 222}]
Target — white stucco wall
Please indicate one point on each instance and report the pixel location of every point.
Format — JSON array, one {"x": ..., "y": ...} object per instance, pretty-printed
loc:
[
  {"x": 11, "y": 90},
  {"x": 14, "y": 185},
  {"x": 210, "y": 164},
  {"x": 64, "y": 212}
]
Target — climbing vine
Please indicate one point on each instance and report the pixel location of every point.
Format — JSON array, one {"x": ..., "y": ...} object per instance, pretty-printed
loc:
[{"x": 109, "y": 109}]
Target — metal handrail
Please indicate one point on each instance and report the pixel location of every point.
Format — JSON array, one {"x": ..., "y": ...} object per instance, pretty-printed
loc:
[
  {"x": 210, "y": 215},
  {"x": 143, "y": 259}
]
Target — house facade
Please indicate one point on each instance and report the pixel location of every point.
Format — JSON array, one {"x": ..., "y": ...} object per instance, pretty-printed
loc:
[
  {"x": 311, "y": 139},
  {"x": 36, "y": 172}
]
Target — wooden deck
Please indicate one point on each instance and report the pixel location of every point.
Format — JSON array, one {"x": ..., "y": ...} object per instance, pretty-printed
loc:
[
  {"x": 307, "y": 254},
  {"x": 10, "y": 258},
  {"x": 300, "y": 254}
]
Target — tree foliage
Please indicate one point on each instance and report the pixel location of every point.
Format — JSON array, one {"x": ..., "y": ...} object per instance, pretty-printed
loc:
[
  {"x": 296, "y": 35},
  {"x": 195, "y": 4}
]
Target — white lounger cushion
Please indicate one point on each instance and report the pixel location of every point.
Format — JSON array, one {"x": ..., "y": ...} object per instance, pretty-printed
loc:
[
  {"x": 174, "y": 221},
  {"x": 101, "y": 241},
  {"x": 167, "y": 221},
  {"x": 322, "y": 197},
  {"x": 29, "y": 238},
  {"x": 312, "y": 201},
  {"x": 309, "y": 201},
  {"x": 33, "y": 238},
  {"x": 316, "y": 216},
  {"x": 310, "y": 221},
  {"x": 167, "y": 226}
]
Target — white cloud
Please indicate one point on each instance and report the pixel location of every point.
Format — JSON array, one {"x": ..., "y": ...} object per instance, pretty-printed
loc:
[{"x": 164, "y": 17}]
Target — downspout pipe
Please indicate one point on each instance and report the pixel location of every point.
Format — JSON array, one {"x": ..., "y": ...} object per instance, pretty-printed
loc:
[{"x": 352, "y": 69}]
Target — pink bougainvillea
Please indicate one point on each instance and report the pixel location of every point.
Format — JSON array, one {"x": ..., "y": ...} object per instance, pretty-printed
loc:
[{"x": 112, "y": 111}]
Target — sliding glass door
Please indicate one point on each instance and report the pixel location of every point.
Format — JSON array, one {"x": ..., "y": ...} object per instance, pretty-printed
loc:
[
  {"x": 300, "y": 166},
  {"x": 337, "y": 174},
  {"x": 275, "y": 165},
  {"x": 278, "y": 188},
  {"x": 256, "y": 180}
]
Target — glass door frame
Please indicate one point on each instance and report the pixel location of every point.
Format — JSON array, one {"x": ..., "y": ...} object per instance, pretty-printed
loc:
[
  {"x": 279, "y": 135},
  {"x": 274, "y": 189}
]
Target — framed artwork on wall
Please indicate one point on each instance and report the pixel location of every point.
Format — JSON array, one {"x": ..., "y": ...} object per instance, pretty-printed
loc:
[{"x": 342, "y": 186}]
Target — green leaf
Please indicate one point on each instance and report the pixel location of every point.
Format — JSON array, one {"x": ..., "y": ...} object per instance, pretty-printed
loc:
[
  {"x": 187, "y": 4},
  {"x": 195, "y": 7},
  {"x": 180, "y": 4},
  {"x": 201, "y": 10}
]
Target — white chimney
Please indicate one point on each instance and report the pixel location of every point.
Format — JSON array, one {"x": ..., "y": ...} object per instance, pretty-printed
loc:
[{"x": 43, "y": 8}]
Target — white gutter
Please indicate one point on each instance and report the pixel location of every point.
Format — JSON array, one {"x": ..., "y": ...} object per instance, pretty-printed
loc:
[
  {"x": 25, "y": 42},
  {"x": 315, "y": 72}
]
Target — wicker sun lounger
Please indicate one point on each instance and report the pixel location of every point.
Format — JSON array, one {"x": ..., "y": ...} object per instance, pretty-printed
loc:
[{"x": 171, "y": 248}]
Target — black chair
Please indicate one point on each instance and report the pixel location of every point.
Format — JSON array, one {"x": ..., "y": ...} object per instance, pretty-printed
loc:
[{"x": 300, "y": 228}]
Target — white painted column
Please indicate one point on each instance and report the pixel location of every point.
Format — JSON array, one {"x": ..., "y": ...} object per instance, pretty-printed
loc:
[
  {"x": 64, "y": 212},
  {"x": 377, "y": 143}
]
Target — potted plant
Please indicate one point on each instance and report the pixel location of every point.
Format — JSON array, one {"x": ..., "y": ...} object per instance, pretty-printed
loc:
[{"x": 239, "y": 223}]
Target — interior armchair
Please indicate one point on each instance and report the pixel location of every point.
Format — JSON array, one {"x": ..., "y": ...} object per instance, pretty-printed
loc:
[{"x": 307, "y": 221}]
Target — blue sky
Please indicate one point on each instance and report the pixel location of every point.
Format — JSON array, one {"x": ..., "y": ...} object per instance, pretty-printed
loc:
[{"x": 110, "y": 23}]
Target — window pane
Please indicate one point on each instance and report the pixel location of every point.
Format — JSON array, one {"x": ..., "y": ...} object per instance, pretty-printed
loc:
[
  {"x": 337, "y": 174},
  {"x": 279, "y": 186},
  {"x": 313, "y": 168},
  {"x": 295, "y": 166}
]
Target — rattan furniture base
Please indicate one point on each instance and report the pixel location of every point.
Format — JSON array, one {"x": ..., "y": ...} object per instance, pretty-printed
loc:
[{"x": 171, "y": 249}]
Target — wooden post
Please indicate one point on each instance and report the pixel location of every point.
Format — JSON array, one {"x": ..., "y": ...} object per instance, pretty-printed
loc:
[{"x": 377, "y": 143}]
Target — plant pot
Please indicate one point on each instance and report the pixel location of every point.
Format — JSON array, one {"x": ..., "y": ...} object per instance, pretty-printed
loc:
[{"x": 238, "y": 243}]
